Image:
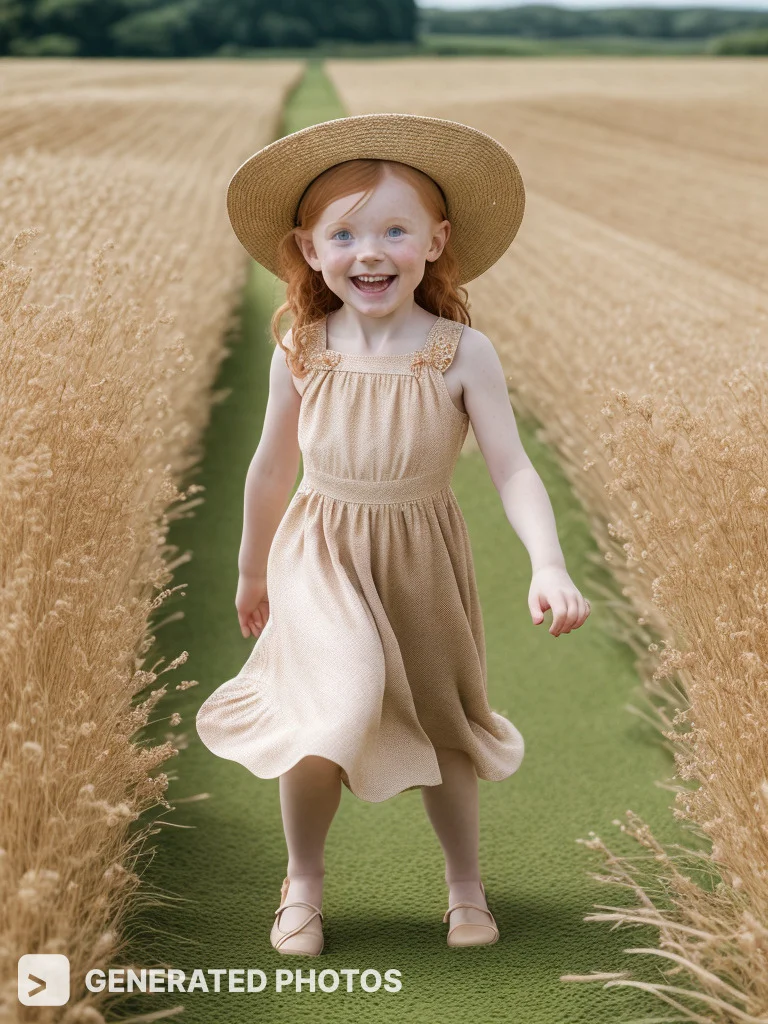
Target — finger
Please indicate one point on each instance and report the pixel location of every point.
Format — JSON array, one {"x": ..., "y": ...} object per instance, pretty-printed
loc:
[
  {"x": 583, "y": 611},
  {"x": 567, "y": 612},
  {"x": 559, "y": 608},
  {"x": 572, "y": 617},
  {"x": 536, "y": 613},
  {"x": 565, "y": 626},
  {"x": 538, "y": 605}
]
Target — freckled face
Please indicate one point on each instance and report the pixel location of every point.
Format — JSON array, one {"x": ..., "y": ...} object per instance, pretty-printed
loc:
[{"x": 390, "y": 236}]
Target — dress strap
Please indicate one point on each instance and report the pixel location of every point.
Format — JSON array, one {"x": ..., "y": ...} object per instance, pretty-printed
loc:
[
  {"x": 440, "y": 347},
  {"x": 315, "y": 355},
  {"x": 319, "y": 355}
]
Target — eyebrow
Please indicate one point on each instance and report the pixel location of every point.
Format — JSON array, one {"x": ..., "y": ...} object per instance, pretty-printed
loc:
[{"x": 344, "y": 223}]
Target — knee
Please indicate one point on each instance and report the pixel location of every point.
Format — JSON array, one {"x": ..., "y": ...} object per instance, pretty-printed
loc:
[
  {"x": 315, "y": 765},
  {"x": 449, "y": 755}
]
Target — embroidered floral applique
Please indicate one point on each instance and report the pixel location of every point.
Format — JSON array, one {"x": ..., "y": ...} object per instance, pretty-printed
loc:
[
  {"x": 437, "y": 353},
  {"x": 325, "y": 358}
]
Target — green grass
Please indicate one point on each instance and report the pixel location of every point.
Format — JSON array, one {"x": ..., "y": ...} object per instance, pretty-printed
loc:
[{"x": 586, "y": 761}]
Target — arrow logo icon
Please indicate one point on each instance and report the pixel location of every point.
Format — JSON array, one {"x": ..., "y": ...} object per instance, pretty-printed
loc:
[
  {"x": 43, "y": 979},
  {"x": 40, "y": 985}
]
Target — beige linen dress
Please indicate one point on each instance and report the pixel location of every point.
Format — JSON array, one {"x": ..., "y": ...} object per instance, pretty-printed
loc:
[{"x": 373, "y": 654}]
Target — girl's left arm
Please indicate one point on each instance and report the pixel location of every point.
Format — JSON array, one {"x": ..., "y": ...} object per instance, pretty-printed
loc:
[{"x": 523, "y": 495}]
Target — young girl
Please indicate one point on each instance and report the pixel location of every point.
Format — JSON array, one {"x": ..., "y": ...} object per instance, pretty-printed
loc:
[{"x": 369, "y": 668}]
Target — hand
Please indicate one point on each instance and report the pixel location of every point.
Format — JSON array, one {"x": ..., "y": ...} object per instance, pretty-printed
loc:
[
  {"x": 552, "y": 587},
  {"x": 252, "y": 604}
]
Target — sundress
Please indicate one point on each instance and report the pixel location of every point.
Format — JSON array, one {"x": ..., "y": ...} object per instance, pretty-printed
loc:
[{"x": 373, "y": 655}]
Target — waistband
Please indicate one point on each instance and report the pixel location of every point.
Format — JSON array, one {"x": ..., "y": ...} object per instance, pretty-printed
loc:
[{"x": 374, "y": 492}]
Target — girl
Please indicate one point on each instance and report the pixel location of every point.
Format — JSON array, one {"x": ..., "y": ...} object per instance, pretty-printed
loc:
[{"x": 369, "y": 667}]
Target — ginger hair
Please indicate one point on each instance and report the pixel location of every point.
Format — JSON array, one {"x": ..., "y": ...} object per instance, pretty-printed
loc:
[{"x": 309, "y": 298}]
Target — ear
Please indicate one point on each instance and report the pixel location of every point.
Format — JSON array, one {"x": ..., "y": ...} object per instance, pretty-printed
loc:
[
  {"x": 440, "y": 236},
  {"x": 306, "y": 247}
]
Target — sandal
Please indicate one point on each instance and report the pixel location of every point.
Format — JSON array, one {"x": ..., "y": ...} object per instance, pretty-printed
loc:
[
  {"x": 472, "y": 934},
  {"x": 311, "y": 942}
]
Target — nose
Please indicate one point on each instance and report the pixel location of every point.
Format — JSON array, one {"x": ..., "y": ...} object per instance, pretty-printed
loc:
[
  {"x": 369, "y": 252},
  {"x": 368, "y": 260}
]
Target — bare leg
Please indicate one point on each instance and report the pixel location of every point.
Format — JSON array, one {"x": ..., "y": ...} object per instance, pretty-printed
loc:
[
  {"x": 453, "y": 810},
  {"x": 310, "y": 794}
]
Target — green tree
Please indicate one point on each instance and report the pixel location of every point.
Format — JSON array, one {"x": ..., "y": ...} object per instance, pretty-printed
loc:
[
  {"x": 185, "y": 28},
  {"x": 275, "y": 29}
]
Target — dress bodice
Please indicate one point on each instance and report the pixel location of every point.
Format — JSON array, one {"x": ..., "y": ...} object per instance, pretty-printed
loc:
[{"x": 380, "y": 427}]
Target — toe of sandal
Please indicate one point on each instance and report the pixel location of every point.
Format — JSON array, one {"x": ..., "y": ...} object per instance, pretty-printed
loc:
[{"x": 471, "y": 934}]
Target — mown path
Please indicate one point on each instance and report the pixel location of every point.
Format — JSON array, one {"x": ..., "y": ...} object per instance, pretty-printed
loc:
[{"x": 587, "y": 760}]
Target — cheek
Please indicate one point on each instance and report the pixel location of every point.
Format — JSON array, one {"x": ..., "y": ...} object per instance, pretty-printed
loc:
[
  {"x": 334, "y": 263},
  {"x": 410, "y": 257}
]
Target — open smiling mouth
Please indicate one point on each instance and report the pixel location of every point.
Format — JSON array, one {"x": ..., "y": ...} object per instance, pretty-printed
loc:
[{"x": 373, "y": 283}]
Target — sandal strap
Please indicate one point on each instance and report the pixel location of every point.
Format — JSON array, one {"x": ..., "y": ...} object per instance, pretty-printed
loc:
[
  {"x": 301, "y": 903},
  {"x": 472, "y": 906},
  {"x": 295, "y": 931}
]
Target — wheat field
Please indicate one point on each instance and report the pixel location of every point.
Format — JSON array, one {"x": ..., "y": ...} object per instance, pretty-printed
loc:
[
  {"x": 630, "y": 315},
  {"x": 119, "y": 275}
]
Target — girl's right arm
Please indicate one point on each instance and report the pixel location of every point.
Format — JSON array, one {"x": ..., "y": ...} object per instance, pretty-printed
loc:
[{"x": 270, "y": 478}]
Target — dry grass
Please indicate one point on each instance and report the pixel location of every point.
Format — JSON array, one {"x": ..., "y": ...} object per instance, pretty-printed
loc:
[
  {"x": 630, "y": 314},
  {"x": 112, "y": 326}
]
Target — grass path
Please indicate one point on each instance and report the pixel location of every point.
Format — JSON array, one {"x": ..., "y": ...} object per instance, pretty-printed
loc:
[{"x": 586, "y": 761}]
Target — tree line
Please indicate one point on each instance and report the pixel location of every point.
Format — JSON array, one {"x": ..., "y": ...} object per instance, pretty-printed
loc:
[
  {"x": 542, "y": 21},
  {"x": 195, "y": 28}
]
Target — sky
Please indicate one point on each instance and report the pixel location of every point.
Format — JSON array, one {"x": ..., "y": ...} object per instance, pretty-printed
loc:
[{"x": 573, "y": 4}]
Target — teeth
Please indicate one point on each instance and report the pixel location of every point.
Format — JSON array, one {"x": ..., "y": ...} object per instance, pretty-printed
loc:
[{"x": 382, "y": 277}]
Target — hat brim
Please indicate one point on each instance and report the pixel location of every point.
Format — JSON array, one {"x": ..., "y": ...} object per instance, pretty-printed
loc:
[{"x": 481, "y": 182}]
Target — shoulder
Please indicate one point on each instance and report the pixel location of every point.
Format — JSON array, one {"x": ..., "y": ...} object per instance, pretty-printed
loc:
[
  {"x": 313, "y": 357},
  {"x": 476, "y": 363},
  {"x": 471, "y": 338},
  {"x": 280, "y": 372},
  {"x": 474, "y": 348},
  {"x": 311, "y": 343},
  {"x": 279, "y": 354},
  {"x": 287, "y": 340}
]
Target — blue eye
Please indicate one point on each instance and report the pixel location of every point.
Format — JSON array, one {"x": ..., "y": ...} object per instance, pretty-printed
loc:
[
  {"x": 341, "y": 232},
  {"x": 395, "y": 229}
]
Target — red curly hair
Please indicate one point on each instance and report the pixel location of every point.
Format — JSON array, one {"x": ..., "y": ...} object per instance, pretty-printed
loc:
[{"x": 309, "y": 298}]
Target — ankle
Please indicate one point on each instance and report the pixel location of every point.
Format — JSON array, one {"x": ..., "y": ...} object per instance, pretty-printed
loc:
[
  {"x": 466, "y": 889},
  {"x": 306, "y": 887}
]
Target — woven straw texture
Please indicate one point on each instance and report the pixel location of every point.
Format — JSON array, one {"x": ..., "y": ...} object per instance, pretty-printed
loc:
[
  {"x": 482, "y": 184},
  {"x": 374, "y": 651}
]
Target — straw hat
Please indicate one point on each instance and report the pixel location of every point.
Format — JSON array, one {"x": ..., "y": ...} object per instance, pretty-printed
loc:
[{"x": 481, "y": 182}]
